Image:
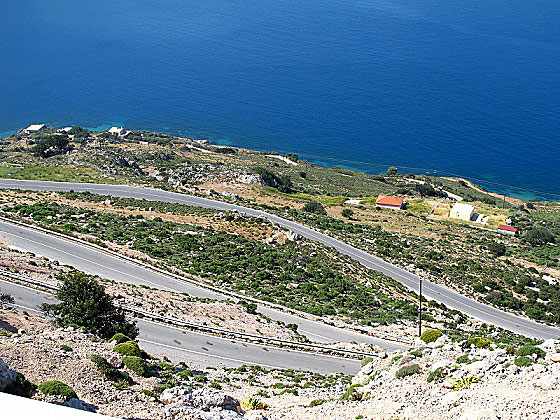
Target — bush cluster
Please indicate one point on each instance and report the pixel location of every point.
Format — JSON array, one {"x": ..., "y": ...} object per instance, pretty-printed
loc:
[
  {"x": 429, "y": 336},
  {"x": 138, "y": 365},
  {"x": 407, "y": 370},
  {"x": 479, "y": 342},
  {"x": 57, "y": 388},
  {"x": 128, "y": 348}
]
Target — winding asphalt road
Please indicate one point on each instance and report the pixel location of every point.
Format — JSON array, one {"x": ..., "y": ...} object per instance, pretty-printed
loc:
[
  {"x": 201, "y": 349},
  {"x": 431, "y": 290}
]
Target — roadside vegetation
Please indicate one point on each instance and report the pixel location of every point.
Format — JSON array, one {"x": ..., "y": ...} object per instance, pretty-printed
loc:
[
  {"x": 301, "y": 276},
  {"x": 84, "y": 303}
]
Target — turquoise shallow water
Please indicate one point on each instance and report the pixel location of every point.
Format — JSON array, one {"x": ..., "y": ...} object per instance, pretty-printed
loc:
[{"x": 464, "y": 88}]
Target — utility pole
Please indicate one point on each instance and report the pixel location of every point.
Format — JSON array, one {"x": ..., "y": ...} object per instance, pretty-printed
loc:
[{"x": 420, "y": 311}]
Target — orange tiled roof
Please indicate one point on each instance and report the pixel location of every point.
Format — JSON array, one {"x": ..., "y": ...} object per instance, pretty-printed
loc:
[{"x": 387, "y": 200}]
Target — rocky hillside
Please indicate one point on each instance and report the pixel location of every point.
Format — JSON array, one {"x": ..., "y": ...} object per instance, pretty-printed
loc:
[
  {"x": 471, "y": 379},
  {"x": 437, "y": 379},
  {"x": 77, "y": 369}
]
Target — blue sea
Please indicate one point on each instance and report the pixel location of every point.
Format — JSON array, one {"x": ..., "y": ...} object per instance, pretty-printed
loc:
[{"x": 468, "y": 88}]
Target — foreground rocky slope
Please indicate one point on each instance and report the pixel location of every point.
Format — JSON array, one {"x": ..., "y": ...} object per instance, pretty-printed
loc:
[
  {"x": 437, "y": 379},
  {"x": 103, "y": 379},
  {"x": 471, "y": 379}
]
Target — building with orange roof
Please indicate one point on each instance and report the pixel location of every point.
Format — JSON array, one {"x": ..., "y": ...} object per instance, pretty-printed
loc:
[{"x": 390, "y": 202}]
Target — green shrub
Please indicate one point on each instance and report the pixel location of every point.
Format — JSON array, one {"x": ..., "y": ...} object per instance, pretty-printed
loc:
[
  {"x": 497, "y": 249},
  {"x": 437, "y": 375},
  {"x": 215, "y": 385},
  {"x": 365, "y": 361},
  {"x": 523, "y": 361},
  {"x": 528, "y": 349},
  {"x": 128, "y": 348},
  {"x": 315, "y": 403},
  {"x": 396, "y": 358},
  {"x": 109, "y": 371},
  {"x": 137, "y": 365},
  {"x": 352, "y": 394},
  {"x": 66, "y": 348},
  {"x": 289, "y": 391},
  {"x": 120, "y": 338},
  {"x": 57, "y": 388},
  {"x": 122, "y": 384},
  {"x": 407, "y": 370},
  {"x": 149, "y": 393},
  {"x": 465, "y": 382},
  {"x": 347, "y": 213},
  {"x": 314, "y": 207},
  {"x": 464, "y": 359},
  {"x": 429, "y": 336},
  {"x": 480, "y": 342},
  {"x": 185, "y": 374}
]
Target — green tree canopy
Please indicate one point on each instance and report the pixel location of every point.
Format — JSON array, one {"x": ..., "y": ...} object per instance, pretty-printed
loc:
[
  {"x": 85, "y": 303},
  {"x": 539, "y": 236},
  {"x": 314, "y": 207}
]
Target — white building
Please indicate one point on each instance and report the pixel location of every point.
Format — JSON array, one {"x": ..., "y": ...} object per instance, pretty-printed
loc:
[
  {"x": 64, "y": 130},
  {"x": 34, "y": 128},
  {"x": 119, "y": 131},
  {"x": 462, "y": 211}
]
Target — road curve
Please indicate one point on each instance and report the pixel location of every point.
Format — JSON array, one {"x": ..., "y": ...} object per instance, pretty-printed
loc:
[
  {"x": 434, "y": 291},
  {"x": 92, "y": 261},
  {"x": 201, "y": 349}
]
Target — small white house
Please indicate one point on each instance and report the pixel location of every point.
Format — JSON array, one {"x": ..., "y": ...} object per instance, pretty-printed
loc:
[
  {"x": 507, "y": 230},
  {"x": 64, "y": 130},
  {"x": 462, "y": 211},
  {"x": 33, "y": 128},
  {"x": 119, "y": 131}
]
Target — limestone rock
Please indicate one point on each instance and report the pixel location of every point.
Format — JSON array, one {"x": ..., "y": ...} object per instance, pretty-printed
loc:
[
  {"x": 115, "y": 361},
  {"x": 7, "y": 376},
  {"x": 80, "y": 405}
]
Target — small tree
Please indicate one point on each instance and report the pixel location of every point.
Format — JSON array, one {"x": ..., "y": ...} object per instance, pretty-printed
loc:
[
  {"x": 497, "y": 249},
  {"x": 51, "y": 145},
  {"x": 283, "y": 182},
  {"x": 539, "y": 236},
  {"x": 314, "y": 207},
  {"x": 85, "y": 303},
  {"x": 5, "y": 299},
  {"x": 347, "y": 213}
]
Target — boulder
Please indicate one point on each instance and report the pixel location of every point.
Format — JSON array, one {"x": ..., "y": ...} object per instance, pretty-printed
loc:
[
  {"x": 450, "y": 398},
  {"x": 448, "y": 383},
  {"x": 441, "y": 341},
  {"x": 440, "y": 364},
  {"x": 80, "y": 405},
  {"x": 407, "y": 358},
  {"x": 175, "y": 394},
  {"x": 115, "y": 361},
  {"x": 207, "y": 398},
  {"x": 204, "y": 403},
  {"x": 179, "y": 411},
  {"x": 7, "y": 376},
  {"x": 250, "y": 179},
  {"x": 254, "y": 415},
  {"x": 548, "y": 345},
  {"x": 554, "y": 357},
  {"x": 479, "y": 366}
]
